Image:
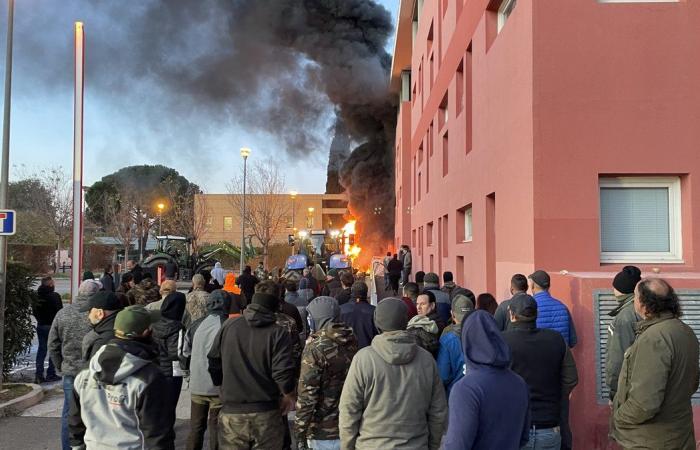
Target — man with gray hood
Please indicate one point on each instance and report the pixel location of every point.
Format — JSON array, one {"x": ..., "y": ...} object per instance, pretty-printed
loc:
[
  {"x": 324, "y": 366},
  {"x": 205, "y": 402},
  {"x": 117, "y": 402},
  {"x": 393, "y": 396},
  {"x": 68, "y": 329}
]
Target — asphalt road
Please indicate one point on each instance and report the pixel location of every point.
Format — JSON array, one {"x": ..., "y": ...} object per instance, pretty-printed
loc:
[{"x": 44, "y": 433}]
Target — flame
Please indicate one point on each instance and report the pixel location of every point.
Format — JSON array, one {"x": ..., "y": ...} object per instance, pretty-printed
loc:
[
  {"x": 352, "y": 251},
  {"x": 349, "y": 228}
]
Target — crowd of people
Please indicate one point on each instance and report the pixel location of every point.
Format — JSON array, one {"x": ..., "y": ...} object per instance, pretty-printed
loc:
[{"x": 308, "y": 362}]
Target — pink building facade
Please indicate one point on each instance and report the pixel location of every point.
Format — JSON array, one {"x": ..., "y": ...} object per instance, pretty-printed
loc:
[{"x": 557, "y": 135}]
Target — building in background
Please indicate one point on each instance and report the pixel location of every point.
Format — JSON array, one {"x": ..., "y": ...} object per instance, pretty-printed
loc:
[
  {"x": 303, "y": 212},
  {"x": 557, "y": 135}
]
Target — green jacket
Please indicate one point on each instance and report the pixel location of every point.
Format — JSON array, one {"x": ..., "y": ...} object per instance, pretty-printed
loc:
[
  {"x": 659, "y": 375},
  {"x": 621, "y": 335}
]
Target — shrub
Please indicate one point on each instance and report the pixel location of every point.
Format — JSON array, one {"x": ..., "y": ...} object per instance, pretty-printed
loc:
[{"x": 18, "y": 323}]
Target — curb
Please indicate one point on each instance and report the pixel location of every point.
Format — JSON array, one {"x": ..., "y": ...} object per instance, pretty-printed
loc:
[{"x": 19, "y": 404}]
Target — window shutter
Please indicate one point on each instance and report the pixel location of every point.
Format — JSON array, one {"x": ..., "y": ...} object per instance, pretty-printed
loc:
[{"x": 634, "y": 219}]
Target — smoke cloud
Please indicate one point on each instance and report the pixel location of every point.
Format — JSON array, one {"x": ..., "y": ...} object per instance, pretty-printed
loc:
[{"x": 300, "y": 70}]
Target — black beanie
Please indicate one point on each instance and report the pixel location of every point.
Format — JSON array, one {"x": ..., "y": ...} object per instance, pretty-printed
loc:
[
  {"x": 266, "y": 300},
  {"x": 627, "y": 279},
  {"x": 391, "y": 314}
]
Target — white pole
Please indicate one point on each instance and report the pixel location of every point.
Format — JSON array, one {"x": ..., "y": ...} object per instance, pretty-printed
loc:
[
  {"x": 76, "y": 266},
  {"x": 4, "y": 175}
]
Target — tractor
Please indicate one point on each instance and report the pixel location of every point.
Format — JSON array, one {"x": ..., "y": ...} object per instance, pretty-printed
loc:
[{"x": 178, "y": 249}]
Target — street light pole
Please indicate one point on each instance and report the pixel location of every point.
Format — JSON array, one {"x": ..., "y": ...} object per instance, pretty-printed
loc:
[
  {"x": 161, "y": 206},
  {"x": 293, "y": 194},
  {"x": 245, "y": 152},
  {"x": 4, "y": 175}
]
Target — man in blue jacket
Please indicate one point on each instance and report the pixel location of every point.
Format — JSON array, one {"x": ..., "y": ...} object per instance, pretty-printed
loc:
[
  {"x": 489, "y": 406},
  {"x": 554, "y": 315},
  {"x": 450, "y": 359}
]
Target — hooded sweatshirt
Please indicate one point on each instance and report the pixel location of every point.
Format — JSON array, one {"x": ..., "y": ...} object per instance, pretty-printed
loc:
[
  {"x": 251, "y": 361},
  {"x": 230, "y": 284},
  {"x": 392, "y": 397},
  {"x": 198, "y": 342},
  {"x": 489, "y": 406},
  {"x": 118, "y": 402},
  {"x": 219, "y": 274}
]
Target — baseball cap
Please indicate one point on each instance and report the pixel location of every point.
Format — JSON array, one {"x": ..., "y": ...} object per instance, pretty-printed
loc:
[
  {"x": 104, "y": 300},
  {"x": 524, "y": 305},
  {"x": 541, "y": 278},
  {"x": 461, "y": 306},
  {"x": 133, "y": 320}
]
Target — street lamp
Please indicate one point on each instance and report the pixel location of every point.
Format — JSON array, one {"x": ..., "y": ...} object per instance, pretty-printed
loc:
[
  {"x": 245, "y": 153},
  {"x": 161, "y": 207},
  {"x": 293, "y": 194}
]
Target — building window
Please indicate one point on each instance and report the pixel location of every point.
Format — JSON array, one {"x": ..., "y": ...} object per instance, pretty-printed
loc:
[
  {"x": 640, "y": 219},
  {"x": 445, "y": 154},
  {"x": 290, "y": 223},
  {"x": 464, "y": 224},
  {"x": 505, "y": 11},
  {"x": 210, "y": 221},
  {"x": 429, "y": 234},
  {"x": 228, "y": 223}
]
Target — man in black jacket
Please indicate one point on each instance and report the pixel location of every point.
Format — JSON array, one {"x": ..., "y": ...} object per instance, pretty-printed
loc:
[
  {"x": 251, "y": 361},
  {"x": 44, "y": 310},
  {"x": 359, "y": 314},
  {"x": 247, "y": 282},
  {"x": 544, "y": 361},
  {"x": 346, "y": 281},
  {"x": 103, "y": 308}
]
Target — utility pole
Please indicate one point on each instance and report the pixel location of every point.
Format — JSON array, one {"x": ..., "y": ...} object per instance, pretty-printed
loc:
[{"x": 4, "y": 177}]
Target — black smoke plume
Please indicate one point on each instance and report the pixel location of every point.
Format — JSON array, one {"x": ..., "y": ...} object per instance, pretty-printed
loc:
[{"x": 291, "y": 68}]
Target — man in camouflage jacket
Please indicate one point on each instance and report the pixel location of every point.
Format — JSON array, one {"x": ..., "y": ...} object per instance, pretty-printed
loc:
[{"x": 324, "y": 366}]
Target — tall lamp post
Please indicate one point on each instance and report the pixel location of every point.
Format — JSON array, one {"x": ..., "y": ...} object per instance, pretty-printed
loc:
[
  {"x": 245, "y": 152},
  {"x": 161, "y": 207},
  {"x": 293, "y": 194},
  {"x": 4, "y": 172}
]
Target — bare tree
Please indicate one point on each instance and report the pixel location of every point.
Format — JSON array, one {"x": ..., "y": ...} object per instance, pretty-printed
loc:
[
  {"x": 121, "y": 225},
  {"x": 52, "y": 200},
  {"x": 267, "y": 207},
  {"x": 185, "y": 214}
]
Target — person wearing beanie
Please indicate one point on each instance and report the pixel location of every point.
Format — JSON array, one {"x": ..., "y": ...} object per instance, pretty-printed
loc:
[
  {"x": 542, "y": 358},
  {"x": 359, "y": 314},
  {"x": 117, "y": 402},
  {"x": 88, "y": 275},
  {"x": 621, "y": 331},
  {"x": 324, "y": 366},
  {"x": 393, "y": 396},
  {"x": 251, "y": 361},
  {"x": 205, "y": 402},
  {"x": 450, "y": 359}
]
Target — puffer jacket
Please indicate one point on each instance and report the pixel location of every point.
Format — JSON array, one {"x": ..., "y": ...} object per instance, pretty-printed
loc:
[
  {"x": 100, "y": 335},
  {"x": 143, "y": 293},
  {"x": 652, "y": 408},
  {"x": 392, "y": 397},
  {"x": 68, "y": 329},
  {"x": 122, "y": 386},
  {"x": 554, "y": 315},
  {"x": 425, "y": 331},
  {"x": 166, "y": 335}
]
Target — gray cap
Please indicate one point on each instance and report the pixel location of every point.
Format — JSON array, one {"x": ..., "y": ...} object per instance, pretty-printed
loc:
[{"x": 461, "y": 306}]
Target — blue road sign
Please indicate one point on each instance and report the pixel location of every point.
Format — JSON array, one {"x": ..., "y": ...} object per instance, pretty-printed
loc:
[{"x": 8, "y": 222}]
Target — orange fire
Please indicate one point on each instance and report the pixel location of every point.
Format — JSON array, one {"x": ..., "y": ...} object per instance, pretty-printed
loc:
[{"x": 349, "y": 229}]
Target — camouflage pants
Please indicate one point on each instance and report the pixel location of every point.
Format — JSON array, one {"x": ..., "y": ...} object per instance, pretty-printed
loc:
[{"x": 262, "y": 430}]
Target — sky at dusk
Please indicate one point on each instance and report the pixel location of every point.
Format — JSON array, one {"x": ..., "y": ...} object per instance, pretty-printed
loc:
[{"x": 130, "y": 117}]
